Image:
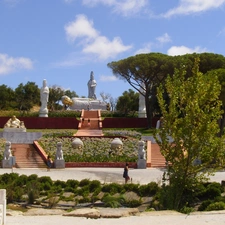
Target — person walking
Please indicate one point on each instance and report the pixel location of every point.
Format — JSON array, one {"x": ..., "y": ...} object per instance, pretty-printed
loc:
[
  {"x": 125, "y": 173},
  {"x": 49, "y": 163}
]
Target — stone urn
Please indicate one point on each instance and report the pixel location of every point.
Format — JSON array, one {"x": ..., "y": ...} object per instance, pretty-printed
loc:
[
  {"x": 78, "y": 145},
  {"x": 116, "y": 144}
]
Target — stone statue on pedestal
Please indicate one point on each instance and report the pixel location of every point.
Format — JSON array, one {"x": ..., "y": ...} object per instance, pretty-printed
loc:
[
  {"x": 92, "y": 86},
  {"x": 14, "y": 125},
  {"x": 44, "y": 94},
  {"x": 59, "y": 162}
]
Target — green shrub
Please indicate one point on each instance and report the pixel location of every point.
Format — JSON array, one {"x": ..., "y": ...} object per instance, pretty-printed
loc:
[
  {"x": 132, "y": 187},
  {"x": 187, "y": 210},
  {"x": 32, "y": 177},
  {"x": 21, "y": 180},
  {"x": 113, "y": 201},
  {"x": 148, "y": 189},
  {"x": 133, "y": 203},
  {"x": 204, "y": 205},
  {"x": 216, "y": 206},
  {"x": 83, "y": 191},
  {"x": 112, "y": 188},
  {"x": 213, "y": 191},
  {"x": 95, "y": 184},
  {"x": 60, "y": 183},
  {"x": 84, "y": 182},
  {"x": 72, "y": 183}
]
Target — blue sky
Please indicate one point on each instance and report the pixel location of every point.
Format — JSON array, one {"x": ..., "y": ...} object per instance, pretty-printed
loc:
[{"x": 62, "y": 41}]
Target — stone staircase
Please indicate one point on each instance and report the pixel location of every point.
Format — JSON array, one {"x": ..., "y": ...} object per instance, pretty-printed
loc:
[
  {"x": 27, "y": 156},
  {"x": 90, "y": 124},
  {"x": 157, "y": 160}
]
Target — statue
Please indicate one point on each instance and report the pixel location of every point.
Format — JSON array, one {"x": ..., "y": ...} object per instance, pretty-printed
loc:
[
  {"x": 7, "y": 152},
  {"x": 44, "y": 94},
  {"x": 14, "y": 123},
  {"x": 141, "y": 150},
  {"x": 59, "y": 152},
  {"x": 142, "y": 108},
  {"x": 159, "y": 123},
  {"x": 91, "y": 86},
  {"x": 59, "y": 162}
]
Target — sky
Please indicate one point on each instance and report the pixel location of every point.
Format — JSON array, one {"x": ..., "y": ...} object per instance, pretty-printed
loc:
[{"x": 62, "y": 41}]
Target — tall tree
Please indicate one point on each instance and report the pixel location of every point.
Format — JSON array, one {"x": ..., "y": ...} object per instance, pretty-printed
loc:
[
  {"x": 191, "y": 120},
  {"x": 55, "y": 95},
  {"x": 7, "y": 97},
  {"x": 27, "y": 95},
  {"x": 128, "y": 102},
  {"x": 144, "y": 73}
]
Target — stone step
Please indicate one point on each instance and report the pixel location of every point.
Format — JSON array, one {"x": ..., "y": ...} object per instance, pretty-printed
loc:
[{"x": 27, "y": 156}]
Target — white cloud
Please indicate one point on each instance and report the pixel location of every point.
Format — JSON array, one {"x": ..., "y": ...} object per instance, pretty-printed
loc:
[
  {"x": 124, "y": 7},
  {"x": 91, "y": 41},
  {"x": 187, "y": 7},
  {"x": 81, "y": 27},
  {"x": 10, "y": 64},
  {"x": 146, "y": 49},
  {"x": 165, "y": 38},
  {"x": 104, "y": 78},
  {"x": 182, "y": 50},
  {"x": 222, "y": 32},
  {"x": 104, "y": 48}
]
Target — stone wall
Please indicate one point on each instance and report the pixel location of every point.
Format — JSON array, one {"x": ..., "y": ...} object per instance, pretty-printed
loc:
[{"x": 72, "y": 123}]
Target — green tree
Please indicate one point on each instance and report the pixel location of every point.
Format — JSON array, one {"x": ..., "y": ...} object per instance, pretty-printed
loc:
[
  {"x": 71, "y": 94},
  {"x": 128, "y": 102},
  {"x": 27, "y": 96},
  {"x": 55, "y": 95},
  {"x": 220, "y": 73},
  {"x": 191, "y": 121},
  {"x": 7, "y": 97},
  {"x": 144, "y": 73}
]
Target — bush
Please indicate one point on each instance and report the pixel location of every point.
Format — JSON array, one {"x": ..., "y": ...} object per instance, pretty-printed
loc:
[
  {"x": 148, "y": 189},
  {"x": 133, "y": 203},
  {"x": 113, "y": 201},
  {"x": 204, "y": 205},
  {"x": 216, "y": 206},
  {"x": 132, "y": 187},
  {"x": 60, "y": 183},
  {"x": 112, "y": 188},
  {"x": 84, "y": 182},
  {"x": 95, "y": 184},
  {"x": 72, "y": 183}
]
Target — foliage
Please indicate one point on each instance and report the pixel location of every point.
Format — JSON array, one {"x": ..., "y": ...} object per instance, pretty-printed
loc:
[
  {"x": 113, "y": 201},
  {"x": 128, "y": 102},
  {"x": 112, "y": 188},
  {"x": 189, "y": 133},
  {"x": 27, "y": 96},
  {"x": 94, "y": 150},
  {"x": 148, "y": 189},
  {"x": 144, "y": 72},
  {"x": 216, "y": 206}
]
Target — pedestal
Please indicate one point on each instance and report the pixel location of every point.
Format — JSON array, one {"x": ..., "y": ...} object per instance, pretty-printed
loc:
[
  {"x": 59, "y": 164},
  {"x": 43, "y": 114},
  {"x": 8, "y": 163},
  {"x": 141, "y": 164},
  {"x": 11, "y": 129}
]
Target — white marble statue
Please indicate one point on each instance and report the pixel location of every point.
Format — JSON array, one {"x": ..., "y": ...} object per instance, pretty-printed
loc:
[
  {"x": 83, "y": 103},
  {"x": 7, "y": 152},
  {"x": 142, "y": 107},
  {"x": 59, "y": 152},
  {"x": 92, "y": 86},
  {"x": 141, "y": 150},
  {"x": 44, "y": 94}
]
